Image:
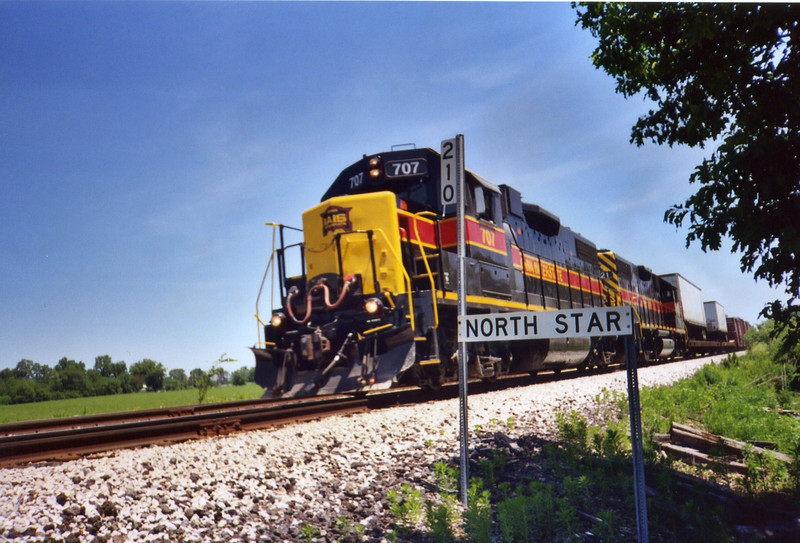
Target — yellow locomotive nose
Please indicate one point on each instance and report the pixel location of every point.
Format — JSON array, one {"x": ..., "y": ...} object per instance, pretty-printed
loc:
[{"x": 356, "y": 235}]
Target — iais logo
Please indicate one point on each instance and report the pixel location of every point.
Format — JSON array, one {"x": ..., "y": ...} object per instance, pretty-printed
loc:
[{"x": 336, "y": 218}]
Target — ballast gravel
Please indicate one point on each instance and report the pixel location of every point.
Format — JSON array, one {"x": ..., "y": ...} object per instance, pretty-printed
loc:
[{"x": 272, "y": 485}]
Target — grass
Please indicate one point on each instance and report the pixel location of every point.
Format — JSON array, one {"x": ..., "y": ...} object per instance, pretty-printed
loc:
[
  {"x": 737, "y": 399},
  {"x": 118, "y": 403},
  {"x": 582, "y": 483}
]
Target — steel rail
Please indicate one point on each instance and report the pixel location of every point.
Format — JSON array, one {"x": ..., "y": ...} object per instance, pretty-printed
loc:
[
  {"x": 58, "y": 444},
  {"x": 102, "y": 419}
]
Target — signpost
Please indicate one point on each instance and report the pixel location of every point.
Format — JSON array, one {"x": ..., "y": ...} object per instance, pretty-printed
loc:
[
  {"x": 573, "y": 323},
  {"x": 527, "y": 325},
  {"x": 452, "y": 191}
]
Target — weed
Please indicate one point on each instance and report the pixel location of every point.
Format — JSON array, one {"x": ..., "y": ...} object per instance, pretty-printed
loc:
[
  {"x": 577, "y": 490},
  {"x": 607, "y": 530},
  {"x": 442, "y": 518},
  {"x": 504, "y": 490},
  {"x": 764, "y": 473},
  {"x": 405, "y": 507},
  {"x": 309, "y": 533},
  {"x": 567, "y": 520},
  {"x": 493, "y": 467},
  {"x": 730, "y": 361},
  {"x": 446, "y": 478},
  {"x": 203, "y": 381},
  {"x": 573, "y": 433},
  {"x": 611, "y": 443},
  {"x": 511, "y": 424},
  {"x": 478, "y": 516},
  {"x": 349, "y": 530},
  {"x": 529, "y": 518}
]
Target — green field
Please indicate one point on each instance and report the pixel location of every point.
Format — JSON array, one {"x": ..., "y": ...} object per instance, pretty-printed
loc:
[{"x": 137, "y": 401}]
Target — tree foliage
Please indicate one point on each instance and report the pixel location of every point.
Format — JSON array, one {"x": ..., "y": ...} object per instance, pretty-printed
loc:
[
  {"x": 149, "y": 372},
  {"x": 29, "y": 381},
  {"x": 726, "y": 74}
]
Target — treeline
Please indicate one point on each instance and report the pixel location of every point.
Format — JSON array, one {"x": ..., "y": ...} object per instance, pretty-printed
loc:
[{"x": 33, "y": 382}]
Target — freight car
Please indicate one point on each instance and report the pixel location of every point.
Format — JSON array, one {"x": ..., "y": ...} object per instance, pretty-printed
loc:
[{"x": 374, "y": 303}]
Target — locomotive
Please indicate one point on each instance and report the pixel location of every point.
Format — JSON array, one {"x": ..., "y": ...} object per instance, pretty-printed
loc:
[{"x": 375, "y": 303}]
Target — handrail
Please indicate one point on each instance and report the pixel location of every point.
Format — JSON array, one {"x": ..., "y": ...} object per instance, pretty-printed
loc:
[
  {"x": 405, "y": 275},
  {"x": 260, "y": 324},
  {"x": 428, "y": 269},
  {"x": 270, "y": 264}
]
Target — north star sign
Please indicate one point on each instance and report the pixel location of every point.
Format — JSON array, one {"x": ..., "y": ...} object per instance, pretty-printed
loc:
[{"x": 570, "y": 323}]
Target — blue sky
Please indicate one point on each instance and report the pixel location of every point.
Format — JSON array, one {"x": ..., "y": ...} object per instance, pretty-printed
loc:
[{"x": 144, "y": 145}]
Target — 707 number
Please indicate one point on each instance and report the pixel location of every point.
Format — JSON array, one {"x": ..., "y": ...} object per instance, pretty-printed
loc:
[{"x": 404, "y": 168}]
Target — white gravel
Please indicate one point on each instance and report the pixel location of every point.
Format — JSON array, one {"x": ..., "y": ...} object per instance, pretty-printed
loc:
[{"x": 266, "y": 485}]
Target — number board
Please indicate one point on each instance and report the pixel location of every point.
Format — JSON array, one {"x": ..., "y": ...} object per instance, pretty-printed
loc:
[
  {"x": 448, "y": 172},
  {"x": 406, "y": 168}
]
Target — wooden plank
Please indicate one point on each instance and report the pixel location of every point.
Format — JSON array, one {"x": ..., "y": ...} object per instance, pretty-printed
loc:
[
  {"x": 695, "y": 457},
  {"x": 698, "y": 439}
]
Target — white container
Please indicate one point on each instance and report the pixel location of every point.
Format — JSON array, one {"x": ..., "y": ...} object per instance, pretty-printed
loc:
[
  {"x": 716, "y": 320},
  {"x": 691, "y": 298}
]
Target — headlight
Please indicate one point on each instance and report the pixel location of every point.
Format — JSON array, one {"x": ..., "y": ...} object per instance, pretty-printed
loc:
[
  {"x": 277, "y": 319},
  {"x": 373, "y": 305},
  {"x": 375, "y": 171}
]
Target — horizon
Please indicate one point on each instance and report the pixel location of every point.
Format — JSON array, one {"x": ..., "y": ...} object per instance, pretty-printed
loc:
[{"x": 147, "y": 144}]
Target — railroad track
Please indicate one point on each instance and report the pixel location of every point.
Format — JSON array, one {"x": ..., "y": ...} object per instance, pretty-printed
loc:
[
  {"x": 68, "y": 438},
  {"x": 63, "y": 439}
]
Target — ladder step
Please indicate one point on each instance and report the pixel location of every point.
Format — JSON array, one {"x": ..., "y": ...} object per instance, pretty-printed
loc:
[{"x": 430, "y": 362}]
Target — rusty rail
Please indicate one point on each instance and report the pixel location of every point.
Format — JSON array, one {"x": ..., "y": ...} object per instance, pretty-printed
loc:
[{"x": 79, "y": 438}]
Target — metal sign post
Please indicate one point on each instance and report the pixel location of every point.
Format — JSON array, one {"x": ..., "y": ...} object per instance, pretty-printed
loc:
[
  {"x": 572, "y": 323},
  {"x": 452, "y": 176},
  {"x": 637, "y": 450}
]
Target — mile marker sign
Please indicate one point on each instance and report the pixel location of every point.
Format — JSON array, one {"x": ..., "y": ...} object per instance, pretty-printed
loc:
[
  {"x": 449, "y": 171},
  {"x": 571, "y": 323}
]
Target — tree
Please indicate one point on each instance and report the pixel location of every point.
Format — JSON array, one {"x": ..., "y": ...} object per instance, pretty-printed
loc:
[
  {"x": 107, "y": 368},
  {"x": 242, "y": 376},
  {"x": 69, "y": 378},
  {"x": 195, "y": 376},
  {"x": 726, "y": 74},
  {"x": 176, "y": 380},
  {"x": 27, "y": 369},
  {"x": 150, "y": 373},
  {"x": 178, "y": 375}
]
